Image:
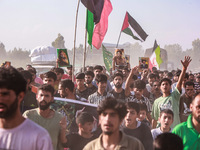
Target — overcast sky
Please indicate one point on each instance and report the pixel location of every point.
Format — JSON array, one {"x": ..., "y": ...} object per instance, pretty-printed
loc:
[{"x": 31, "y": 23}]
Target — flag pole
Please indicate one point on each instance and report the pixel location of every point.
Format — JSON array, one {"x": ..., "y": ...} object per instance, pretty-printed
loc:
[
  {"x": 73, "y": 65},
  {"x": 118, "y": 39},
  {"x": 84, "y": 53}
]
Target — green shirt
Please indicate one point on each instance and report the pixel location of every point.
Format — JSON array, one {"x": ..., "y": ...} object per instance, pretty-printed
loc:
[
  {"x": 52, "y": 125},
  {"x": 169, "y": 102},
  {"x": 190, "y": 137}
]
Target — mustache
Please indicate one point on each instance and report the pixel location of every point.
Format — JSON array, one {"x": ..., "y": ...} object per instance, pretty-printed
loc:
[{"x": 2, "y": 104}]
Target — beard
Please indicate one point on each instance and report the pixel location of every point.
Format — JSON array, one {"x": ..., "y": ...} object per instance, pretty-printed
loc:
[
  {"x": 118, "y": 85},
  {"x": 44, "y": 107},
  {"x": 197, "y": 118},
  {"x": 10, "y": 111},
  {"x": 108, "y": 133},
  {"x": 88, "y": 81}
]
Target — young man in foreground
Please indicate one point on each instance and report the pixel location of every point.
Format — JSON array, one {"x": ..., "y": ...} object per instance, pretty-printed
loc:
[
  {"x": 16, "y": 132},
  {"x": 111, "y": 114}
]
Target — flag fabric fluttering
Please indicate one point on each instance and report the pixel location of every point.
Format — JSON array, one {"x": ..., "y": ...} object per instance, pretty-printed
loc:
[
  {"x": 89, "y": 26},
  {"x": 155, "y": 59},
  {"x": 94, "y": 6},
  {"x": 107, "y": 57},
  {"x": 132, "y": 28},
  {"x": 101, "y": 28}
]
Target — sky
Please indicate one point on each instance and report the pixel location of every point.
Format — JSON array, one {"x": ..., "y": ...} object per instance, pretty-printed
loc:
[{"x": 27, "y": 24}]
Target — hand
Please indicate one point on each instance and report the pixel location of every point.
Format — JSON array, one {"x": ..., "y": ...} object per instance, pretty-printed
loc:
[
  {"x": 186, "y": 62},
  {"x": 145, "y": 72},
  {"x": 63, "y": 123},
  {"x": 134, "y": 70}
]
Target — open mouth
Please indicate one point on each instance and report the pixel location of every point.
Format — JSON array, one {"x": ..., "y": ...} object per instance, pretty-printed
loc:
[{"x": 2, "y": 108}]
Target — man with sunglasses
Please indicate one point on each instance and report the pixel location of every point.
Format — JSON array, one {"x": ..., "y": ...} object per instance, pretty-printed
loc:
[{"x": 185, "y": 101}]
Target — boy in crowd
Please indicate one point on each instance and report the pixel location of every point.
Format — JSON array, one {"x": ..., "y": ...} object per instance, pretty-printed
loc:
[
  {"x": 29, "y": 101},
  {"x": 143, "y": 115},
  {"x": 186, "y": 100},
  {"x": 81, "y": 90},
  {"x": 89, "y": 76},
  {"x": 155, "y": 92},
  {"x": 138, "y": 88},
  {"x": 111, "y": 114},
  {"x": 85, "y": 123},
  {"x": 166, "y": 119},
  {"x": 59, "y": 73},
  {"x": 170, "y": 100},
  {"x": 50, "y": 78},
  {"x": 168, "y": 141},
  {"x": 99, "y": 70},
  {"x": 118, "y": 92},
  {"x": 136, "y": 128},
  {"x": 66, "y": 90},
  {"x": 100, "y": 94}
]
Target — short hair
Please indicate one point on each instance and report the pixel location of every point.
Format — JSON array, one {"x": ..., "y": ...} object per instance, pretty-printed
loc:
[
  {"x": 139, "y": 84},
  {"x": 117, "y": 74},
  {"x": 89, "y": 73},
  {"x": 67, "y": 83},
  {"x": 11, "y": 79},
  {"x": 84, "y": 117},
  {"x": 189, "y": 83},
  {"x": 47, "y": 88},
  {"x": 195, "y": 95},
  {"x": 20, "y": 69},
  {"x": 80, "y": 75},
  {"x": 27, "y": 75},
  {"x": 133, "y": 105},
  {"x": 57, "y": 70},
  {"x": 32, "y": 70},
  {"x": 167, "y": 111},
  {"x": 186, "y": 75},
  {"x": 143, "y": 106},
  {"x": 134, "y": 77},
  {"x": 98, "y": 67},
  {"x": 167, "y": 80},
  {"x": 101, "y": 78},
  {"x": 112, "y": 103},
  {"x": 170, "y": 74},
  {"x": 168, "y": 141},
  {"x": 151, "y": 75},
  {"x": 50, "y": 74}
]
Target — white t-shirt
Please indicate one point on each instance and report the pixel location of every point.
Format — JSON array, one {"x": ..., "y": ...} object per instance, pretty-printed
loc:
[
  {"x": 27, "y": 136},
  {"x": 155, "y": 132}
]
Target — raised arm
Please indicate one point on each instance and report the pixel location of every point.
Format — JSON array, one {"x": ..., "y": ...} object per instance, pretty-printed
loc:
[
  {"x": 63, "y": 125},
  {"x": 185, "y": 64},
  {"x": 128, "y": 80}
]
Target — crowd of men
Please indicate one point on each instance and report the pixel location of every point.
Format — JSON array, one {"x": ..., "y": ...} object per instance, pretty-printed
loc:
[{"x": 145, "y": 110}]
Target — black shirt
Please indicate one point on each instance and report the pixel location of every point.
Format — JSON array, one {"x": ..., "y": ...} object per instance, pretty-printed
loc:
[{"x": 77, "y": 142}]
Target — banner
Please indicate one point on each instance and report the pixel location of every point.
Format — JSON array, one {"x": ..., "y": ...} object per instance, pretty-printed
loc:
[{"x": 107, "y": 57}]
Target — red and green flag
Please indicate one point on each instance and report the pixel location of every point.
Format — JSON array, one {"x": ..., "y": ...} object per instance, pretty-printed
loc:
[
  {"x": 89, "y": 26},
  {"x": 95, "y": 7},
  {"x": 155, "y": 58},
  {"x": 132, "y": 28}
]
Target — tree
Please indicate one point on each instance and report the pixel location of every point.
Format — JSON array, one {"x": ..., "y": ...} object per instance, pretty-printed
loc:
[
  {"x": 2, "y": 50},
  {"x": 59, "y": 42},
  {"x": 174, "y": 54},
  {"x": 196, "y": 50}
]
